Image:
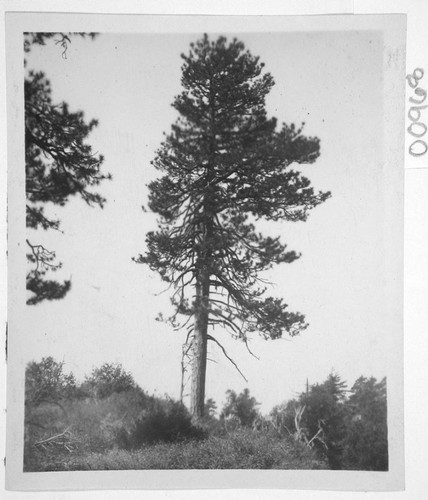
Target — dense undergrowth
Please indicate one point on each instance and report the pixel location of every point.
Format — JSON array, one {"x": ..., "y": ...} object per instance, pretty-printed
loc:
[
  {"x": 242, "y": 449},
  {"x": 109, "y": 423},
  {"x": 130, "y": 430}
]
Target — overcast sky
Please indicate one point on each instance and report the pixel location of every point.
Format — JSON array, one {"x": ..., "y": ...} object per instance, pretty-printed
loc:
[{"x": 333, "y": 82}]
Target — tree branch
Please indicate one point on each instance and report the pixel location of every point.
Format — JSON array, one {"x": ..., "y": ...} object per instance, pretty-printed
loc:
[{"x": 209, "y": 337}]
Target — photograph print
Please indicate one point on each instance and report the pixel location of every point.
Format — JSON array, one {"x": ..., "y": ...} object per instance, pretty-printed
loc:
[{"x": 211, "y": 247}]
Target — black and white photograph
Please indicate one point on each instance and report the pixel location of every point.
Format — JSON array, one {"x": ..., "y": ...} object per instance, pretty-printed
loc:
[{"x": 205, "y": 248}]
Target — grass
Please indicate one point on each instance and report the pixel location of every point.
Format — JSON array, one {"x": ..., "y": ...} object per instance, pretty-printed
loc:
[
  {"x": 242, "y": 449},
  {"x": 124, "y": 432}
]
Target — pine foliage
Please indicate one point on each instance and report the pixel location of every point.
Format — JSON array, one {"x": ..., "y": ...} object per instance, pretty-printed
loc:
[
  {"x": 59, "y": 164},
  {"x": 225, "y": 164}
]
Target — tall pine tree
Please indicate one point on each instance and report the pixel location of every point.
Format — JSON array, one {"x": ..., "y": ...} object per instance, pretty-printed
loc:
[{"x": 225, "y": 164}]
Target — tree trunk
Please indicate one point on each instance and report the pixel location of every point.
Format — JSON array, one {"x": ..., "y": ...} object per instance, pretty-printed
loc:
[{"x": 199, "y": 361}]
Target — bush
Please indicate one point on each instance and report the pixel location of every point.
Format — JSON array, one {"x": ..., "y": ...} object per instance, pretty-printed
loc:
[
  {"x": 162, "y": 423},
  {"x": 91, "y": 425}
]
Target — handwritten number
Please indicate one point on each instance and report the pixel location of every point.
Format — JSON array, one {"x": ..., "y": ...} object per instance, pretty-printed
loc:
[
  {"x": 413, "y": 79},
  {"x": 422, "y": 144},
  {"x": 417, "y": 128},
  {"x": 419, "y": 92}
]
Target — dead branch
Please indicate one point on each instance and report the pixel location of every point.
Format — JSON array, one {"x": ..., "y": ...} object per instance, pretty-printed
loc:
[
  {"x": 315, "y": 436},
  {"x": 64, "y": 434},
  {"x": 209, "y": 337}
]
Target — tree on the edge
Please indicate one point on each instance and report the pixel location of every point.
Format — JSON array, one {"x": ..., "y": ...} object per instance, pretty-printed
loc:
[
  {"x": 58, "y": 164},
  {"x": 46, "y": 382},
  {"x": 225, "y": 164}
]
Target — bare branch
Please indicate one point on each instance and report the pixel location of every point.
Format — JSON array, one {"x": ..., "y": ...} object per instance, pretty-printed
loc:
[{"x": 227, "y": 356}]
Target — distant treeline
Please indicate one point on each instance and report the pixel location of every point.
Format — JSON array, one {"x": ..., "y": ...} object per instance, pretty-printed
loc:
[{"x": 67, "y": 422}]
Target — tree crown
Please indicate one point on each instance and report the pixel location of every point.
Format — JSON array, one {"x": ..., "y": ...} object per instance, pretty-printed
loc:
[{"x": 225, "y": 165}]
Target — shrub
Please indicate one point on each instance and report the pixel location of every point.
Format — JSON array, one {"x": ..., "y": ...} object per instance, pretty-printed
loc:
[
  {"x": 162, "y": 423},
  {"x": 91, "y": 425}
]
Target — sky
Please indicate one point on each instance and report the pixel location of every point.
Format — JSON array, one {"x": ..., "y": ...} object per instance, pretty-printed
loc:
[{"x": 330, "y": 80}]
